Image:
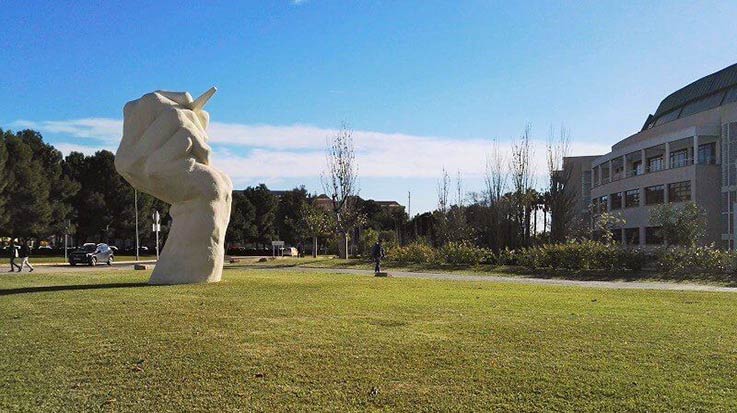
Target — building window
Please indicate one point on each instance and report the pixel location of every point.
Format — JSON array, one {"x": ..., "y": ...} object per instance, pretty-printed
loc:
[
  {"x": 707, "y": 154},
  {"x": 605, "y": 174},
  {"x": 679, "y": 191},
  {"x": 603, "y": 207},
  {"x": 653, "y": 236},
  {"x": 596, "y": 176},
  {"x": 632, "y": 236},
  {"x": 617, "y": 235},
  {"x": 632, "y": 198},
  {"x": 636, "y": 168},
  {"x": 679, "y": 158},
  {"x": 616, "y": 201},
  {"x": 655, "y": 164},
  {"x": 654, "y": 194}
]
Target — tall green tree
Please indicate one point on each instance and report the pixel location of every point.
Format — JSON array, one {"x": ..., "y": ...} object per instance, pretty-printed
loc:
[
  {"x": 62, "y": 188},
  {"x": 242, "y": 226},
  {"x": 288, "y": 214},
  {"x": 28, "y": 209},
  {"x": 4, "y": 181},
  {"x": 265, "y": 204}
]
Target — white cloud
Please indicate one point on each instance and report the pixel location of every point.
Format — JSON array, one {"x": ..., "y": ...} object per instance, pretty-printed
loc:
[
  {"x": 270, "y": 152},
  {"x": 66, "y": 148},
  {"x": 103, "y": 129}
]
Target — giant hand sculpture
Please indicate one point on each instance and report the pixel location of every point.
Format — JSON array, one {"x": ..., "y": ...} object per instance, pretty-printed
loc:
[{"x": 164, "y": 153}]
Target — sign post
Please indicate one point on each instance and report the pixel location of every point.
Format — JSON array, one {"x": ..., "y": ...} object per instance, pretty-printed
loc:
[{"x": 275, "y": 244}]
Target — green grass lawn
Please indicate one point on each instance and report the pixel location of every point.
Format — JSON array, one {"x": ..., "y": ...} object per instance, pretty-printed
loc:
[{"x": 262, "y": 340}]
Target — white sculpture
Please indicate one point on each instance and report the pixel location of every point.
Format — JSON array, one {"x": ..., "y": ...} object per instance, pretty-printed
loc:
[{"x": 164, "y": 153}]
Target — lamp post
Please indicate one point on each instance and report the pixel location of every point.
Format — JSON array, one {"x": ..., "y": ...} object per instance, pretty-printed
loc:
[
  {"x": 66, "y": 232},
  {"x": 135, "y": 200},
  {"x": 156, "y": 227}
]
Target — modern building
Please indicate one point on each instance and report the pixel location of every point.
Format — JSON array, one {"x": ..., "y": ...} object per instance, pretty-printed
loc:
[{"x": 686, "y": 151}]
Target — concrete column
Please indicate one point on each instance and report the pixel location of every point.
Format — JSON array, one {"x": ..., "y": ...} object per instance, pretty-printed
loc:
[
  {"x": 666, "y": 161},
  {"x": 611, "y": 172},
  {"x": 642, "y": 236},
  {"x": 695, "y": 159},
  {"x": 643, "y": 160},
  {"x": 624, "y": 169}
]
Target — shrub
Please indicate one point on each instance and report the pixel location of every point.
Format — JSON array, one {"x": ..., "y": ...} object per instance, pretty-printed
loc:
[
  {"x": 415, "y": 253},
  {"x": 462, "y": 253},
  {"x": 578, "y": 256},
  {"x": 695, "y": 260},
  {"x": 507, "y": 257}
]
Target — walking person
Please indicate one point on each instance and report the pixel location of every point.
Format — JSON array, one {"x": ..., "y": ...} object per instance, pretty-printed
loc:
[
  {"x": 377, "y": 253},
  {"x": 25, "y": 252},
  {"x": 300, "y": 250},
  {"x": 13, "y": 256}
]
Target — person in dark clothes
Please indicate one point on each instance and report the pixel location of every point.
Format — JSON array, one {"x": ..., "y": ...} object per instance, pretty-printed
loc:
[
  {"x": 13, "y": 255},
  {"x": 300, "y": 250},
  {"x": 377, "y": 253},
  {"x": 25, "y": 252}
]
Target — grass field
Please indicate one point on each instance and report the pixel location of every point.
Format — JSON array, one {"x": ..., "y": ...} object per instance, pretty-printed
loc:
[{"x": 262, "y": 340}]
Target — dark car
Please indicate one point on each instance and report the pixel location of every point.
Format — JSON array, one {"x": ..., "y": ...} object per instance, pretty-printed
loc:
[{"x": 92, "y": 254}]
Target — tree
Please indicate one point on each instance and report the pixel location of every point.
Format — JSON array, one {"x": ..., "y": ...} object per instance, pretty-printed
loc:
[
  {"x": 522, "y": 182},
  {"x": 242, "y": 225},
  {"x": 495, "y": 178},
  {"x": 61, "y": 188},
  {"x": 604, "y": 225},
  {"x": 314, "y": 223},
  {"x": 4, "y": 181},
  {"x": 265, "y": 205},
  {"x": 560, "y": 199},
  {"x": 680, "y": 224},
  {"x": 28, "y": 210},
  {"x": 288, "y": 214},
  {"x": 340, "y": 182}
]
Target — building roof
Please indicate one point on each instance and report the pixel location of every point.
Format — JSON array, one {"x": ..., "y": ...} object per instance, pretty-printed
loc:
[{"x": 706, "y": 93}]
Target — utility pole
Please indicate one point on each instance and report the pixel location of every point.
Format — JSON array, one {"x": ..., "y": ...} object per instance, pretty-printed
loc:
[
  {"x": 409, "y": 204},
  {"x": 135, "y": 200}
]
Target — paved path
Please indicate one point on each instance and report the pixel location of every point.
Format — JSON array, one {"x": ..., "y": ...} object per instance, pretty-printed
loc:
[
  {"x": 45, "y": 268},
  {"x": 635, "y": 285}
]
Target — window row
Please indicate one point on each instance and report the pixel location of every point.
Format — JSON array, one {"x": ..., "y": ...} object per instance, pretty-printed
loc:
[
  {"x": 653, "y": 236},
  {"x": 677, "y": 192}
]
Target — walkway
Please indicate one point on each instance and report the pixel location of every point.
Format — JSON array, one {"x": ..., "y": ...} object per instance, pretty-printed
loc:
[{"x": 630, "y": 285}]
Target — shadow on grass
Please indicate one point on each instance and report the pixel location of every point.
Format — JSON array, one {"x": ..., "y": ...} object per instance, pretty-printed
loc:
[{"x": 51, "y": 288}]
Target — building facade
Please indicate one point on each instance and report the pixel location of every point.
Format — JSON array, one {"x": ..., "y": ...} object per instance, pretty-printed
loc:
[{"x": 686, "y": 151}]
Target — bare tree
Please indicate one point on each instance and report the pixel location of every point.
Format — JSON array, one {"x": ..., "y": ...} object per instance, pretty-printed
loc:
[
  {"x": 340, "y": 180},
  {"x": 560, "y": 197},
  {"x": 443, "y": 191},
  {"x": 522, "y": 182},
  {"x": 496, "y": 174}
]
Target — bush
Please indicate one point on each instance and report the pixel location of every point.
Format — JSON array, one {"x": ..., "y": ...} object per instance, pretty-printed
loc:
[
  {"x": 585, "y": 255},
  {"x": 695, "y": 260},
  {"x": 462, "y": 253},
  {"x": 415, "y": 253}
]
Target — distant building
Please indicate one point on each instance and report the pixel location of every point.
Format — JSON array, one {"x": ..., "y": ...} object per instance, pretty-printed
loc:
[
  {"x": 324, "y": 202},
  {"x": 686, "y": 151}
]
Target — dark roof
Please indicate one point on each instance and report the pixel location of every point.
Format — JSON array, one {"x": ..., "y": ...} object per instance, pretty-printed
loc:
[
  {"x": 703, "y": 87},
  {"x": 712, "y": 86}
]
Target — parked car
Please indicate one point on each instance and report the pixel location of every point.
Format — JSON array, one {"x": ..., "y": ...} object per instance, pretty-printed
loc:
[{"x": 91, "y": 254}]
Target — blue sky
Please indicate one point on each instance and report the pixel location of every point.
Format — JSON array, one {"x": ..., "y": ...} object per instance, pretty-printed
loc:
[{"x": 425, "y": 85}]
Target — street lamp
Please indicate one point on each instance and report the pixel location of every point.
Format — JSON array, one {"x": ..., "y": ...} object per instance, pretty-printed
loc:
[{"x": 135, "y": 200}]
